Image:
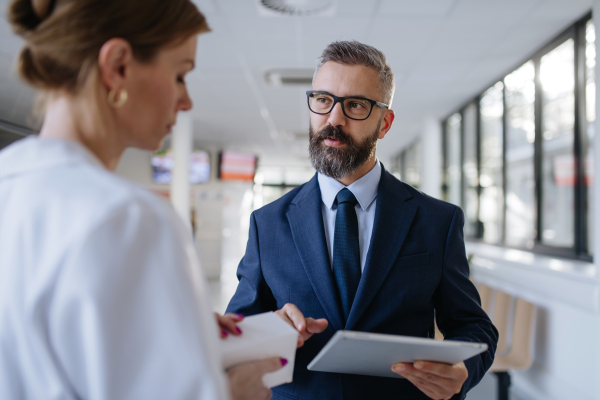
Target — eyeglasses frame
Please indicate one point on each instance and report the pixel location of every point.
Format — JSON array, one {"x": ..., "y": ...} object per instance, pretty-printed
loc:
[{"x": 340, "y": 100}]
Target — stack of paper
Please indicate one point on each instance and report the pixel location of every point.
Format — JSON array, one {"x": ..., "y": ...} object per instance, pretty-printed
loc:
[{"x": 264, "y": 335}]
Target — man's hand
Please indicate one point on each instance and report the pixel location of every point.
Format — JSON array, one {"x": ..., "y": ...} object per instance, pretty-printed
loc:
[
  {"x": 437, "y": 380},
  {"x": 305, "y": 326}
]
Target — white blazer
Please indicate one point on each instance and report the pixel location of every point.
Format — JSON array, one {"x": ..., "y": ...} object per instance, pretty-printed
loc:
[{"x": 101, "y": 292}]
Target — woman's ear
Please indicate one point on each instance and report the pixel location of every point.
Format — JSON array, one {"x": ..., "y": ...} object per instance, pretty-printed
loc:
[{"x": 114, "y": 62}]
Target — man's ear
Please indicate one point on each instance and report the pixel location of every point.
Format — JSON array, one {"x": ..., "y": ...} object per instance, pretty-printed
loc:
[
  {"x": 386, "y": 123},
  {"x": 114, "y": 62}
]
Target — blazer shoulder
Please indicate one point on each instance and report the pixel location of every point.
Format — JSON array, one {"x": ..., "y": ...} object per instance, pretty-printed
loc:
[{"x": 281, "y": 205}]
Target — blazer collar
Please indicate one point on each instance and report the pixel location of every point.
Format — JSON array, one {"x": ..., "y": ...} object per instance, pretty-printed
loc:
[{"x": 306, "y": 222}]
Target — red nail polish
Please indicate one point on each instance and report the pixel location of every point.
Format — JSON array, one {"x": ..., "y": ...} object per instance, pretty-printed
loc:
[
  {"x": 224, "y": 332},
  {"x": 240, "y": 316},
  {"x": 284, "y": 361},
  {"x": 237, "y": 328}
]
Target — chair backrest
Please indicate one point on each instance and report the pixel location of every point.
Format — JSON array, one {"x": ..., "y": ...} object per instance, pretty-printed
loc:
[
  {"x": 521, "y": 351},
  {"x": 503, "y": 304},
  {"x": 485, "y": 292}
]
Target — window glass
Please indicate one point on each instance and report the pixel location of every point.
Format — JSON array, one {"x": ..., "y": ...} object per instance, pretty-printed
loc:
[
  {"x": 491, "y": 205},
  {"x": 470, "y": 170},
  {"x": 453, "y": 129},
  {"x": 590, "y": 95},
  {"x": 520, "y": 138},
  {"x": 413, "y": 165},
  {"x": 557, "y": 76}
]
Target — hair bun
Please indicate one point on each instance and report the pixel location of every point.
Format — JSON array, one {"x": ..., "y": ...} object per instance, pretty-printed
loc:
[
  {"x": 42, "y": 8},
  {"x": 26, "y": 15}
]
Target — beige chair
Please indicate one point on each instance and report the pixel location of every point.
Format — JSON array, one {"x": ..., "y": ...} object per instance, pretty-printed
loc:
[
  {"x": 501, "y": 317},
  {"x": 520, "y": 354},
  {"x": 485, "y": 292}
]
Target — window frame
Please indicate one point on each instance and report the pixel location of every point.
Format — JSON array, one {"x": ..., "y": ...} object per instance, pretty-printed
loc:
[{"x": 579, "y": 250}]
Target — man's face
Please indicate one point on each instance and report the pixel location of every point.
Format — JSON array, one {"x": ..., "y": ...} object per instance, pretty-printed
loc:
[{"x": 340, "y": 145}]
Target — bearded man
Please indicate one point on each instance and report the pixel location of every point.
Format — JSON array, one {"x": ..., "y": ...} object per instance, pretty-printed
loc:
[{"x": 357, "y": 249}]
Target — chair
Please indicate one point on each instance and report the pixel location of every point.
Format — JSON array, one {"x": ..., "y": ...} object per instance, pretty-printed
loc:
[
  {"x": 502, "y": 309},
  {"x": 520, "y": 353},
  {"x": 485, "y": 292}
]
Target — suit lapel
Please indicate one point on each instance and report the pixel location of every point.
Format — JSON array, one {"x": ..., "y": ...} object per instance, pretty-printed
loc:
[
  {"x": 393, "y": 217},
  {"x": 306, "y": 222}
]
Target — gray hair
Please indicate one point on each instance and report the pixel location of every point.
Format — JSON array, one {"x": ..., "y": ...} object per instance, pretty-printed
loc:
[{"x": 356, "y": 53}]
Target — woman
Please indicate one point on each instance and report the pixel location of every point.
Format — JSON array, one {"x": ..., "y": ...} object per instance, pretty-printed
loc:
[{"x": 101, "y": 294}]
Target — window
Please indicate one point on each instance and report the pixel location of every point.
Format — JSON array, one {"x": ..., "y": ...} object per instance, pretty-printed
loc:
[
  {"x": 521, "y": 152},
  {"x": 520, "y": 137},
  {"x": 491, "y": 204},
  {"x": 590, "y": 98},
  {"x": 469, "y": 170},
  {"x": 453, "y": 176},
  {"x": 407, "y": 165},
  {"x": 557, "y": 79}
]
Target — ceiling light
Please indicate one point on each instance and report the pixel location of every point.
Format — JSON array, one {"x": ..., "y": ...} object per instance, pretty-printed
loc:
[{"x": 296, "y": 7}]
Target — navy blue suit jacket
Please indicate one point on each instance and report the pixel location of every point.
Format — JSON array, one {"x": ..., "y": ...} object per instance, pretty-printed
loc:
[{"x": 416, "y": 265}]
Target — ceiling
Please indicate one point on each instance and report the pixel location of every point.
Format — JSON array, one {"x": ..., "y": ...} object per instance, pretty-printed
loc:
[{"x": 443, "y": 53}]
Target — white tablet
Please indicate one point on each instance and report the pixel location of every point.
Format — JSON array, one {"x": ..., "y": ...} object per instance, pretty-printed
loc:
[{"x": 364, "y": 353}]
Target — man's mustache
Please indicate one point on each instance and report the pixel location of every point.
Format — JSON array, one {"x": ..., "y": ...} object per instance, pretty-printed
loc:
[{"x": 334, "y": 133}]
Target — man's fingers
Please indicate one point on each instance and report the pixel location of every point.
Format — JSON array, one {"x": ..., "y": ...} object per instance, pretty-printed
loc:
[
  {"x": 440, "y": 369},
  {"x": 430, "y": 389},
  {"x": 316, "y": 325},
  {"x": 296, "y": 316},
  {"x": 441, "y": 386},
  {"x": 270, "y": 364},
  {"x": 283, "y": 315}
]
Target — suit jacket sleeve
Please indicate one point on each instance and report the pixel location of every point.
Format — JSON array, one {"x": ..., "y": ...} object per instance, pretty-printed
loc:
[
  {"x": 458, "y": 307},
  {"x": 253, "y": 295}
]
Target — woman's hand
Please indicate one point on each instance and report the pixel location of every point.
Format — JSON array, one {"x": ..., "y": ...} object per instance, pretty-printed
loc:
[
  {"x": 245, "y": 380},
  {"x": 228, "y": 324}
]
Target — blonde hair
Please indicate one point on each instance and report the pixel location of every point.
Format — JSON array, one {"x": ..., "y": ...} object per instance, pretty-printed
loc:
[{"x": 63, "y": 37}]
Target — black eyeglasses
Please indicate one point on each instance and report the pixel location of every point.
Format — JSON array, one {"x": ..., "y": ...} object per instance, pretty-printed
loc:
[{"x": 357, "y": 108}]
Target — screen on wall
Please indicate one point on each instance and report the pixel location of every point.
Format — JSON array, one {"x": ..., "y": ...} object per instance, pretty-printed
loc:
[
  {"x": 162, "y": 166},
  {"x": 237, "y": 166}
]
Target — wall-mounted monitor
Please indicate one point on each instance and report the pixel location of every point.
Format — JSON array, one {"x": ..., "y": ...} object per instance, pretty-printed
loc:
[
  {"x": 162, "y": 166},
  {"x": 237, "y": 166}
]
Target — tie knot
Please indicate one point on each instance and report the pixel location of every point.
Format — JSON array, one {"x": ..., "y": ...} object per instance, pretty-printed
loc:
[{"x": 346, "y": 196}]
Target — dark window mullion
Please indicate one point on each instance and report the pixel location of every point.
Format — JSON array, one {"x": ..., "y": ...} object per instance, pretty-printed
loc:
[
  {"x": 580, "y": 136},
  {"x": 504, "y": 186},
  {"x": 538, "y": 150},
  {"x": 463, "y": 181},
  {"x": 479, "y": 230}
]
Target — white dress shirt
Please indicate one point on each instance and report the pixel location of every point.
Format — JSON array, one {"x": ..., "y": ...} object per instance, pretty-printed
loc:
[
  {"x": 365, "y": 191},
  {"x": 101, "y": 292}
]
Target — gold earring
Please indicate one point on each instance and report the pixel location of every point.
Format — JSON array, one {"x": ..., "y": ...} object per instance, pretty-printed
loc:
[{"x": 122, "y": 98}]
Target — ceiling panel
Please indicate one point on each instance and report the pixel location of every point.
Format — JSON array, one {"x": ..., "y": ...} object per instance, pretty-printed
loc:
[{"x": 416, "y": 8}]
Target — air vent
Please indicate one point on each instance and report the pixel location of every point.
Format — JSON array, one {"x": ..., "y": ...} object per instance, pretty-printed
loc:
[
  {"x": 296, "y": 7},
  {"x": 289, "y": 77}
]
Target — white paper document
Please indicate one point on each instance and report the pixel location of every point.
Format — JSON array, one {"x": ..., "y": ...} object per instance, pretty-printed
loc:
[{"x": 264, "y": 335}]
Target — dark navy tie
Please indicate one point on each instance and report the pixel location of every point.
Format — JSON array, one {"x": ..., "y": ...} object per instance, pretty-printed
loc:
[{"x": 346, "y": 251}]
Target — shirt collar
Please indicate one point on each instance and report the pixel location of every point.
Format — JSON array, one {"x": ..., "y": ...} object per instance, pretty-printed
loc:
[{"x": 364, "y": 189}]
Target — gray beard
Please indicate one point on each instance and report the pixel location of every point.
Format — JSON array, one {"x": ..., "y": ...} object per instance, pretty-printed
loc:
[{"x": 339, "y": 162}]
